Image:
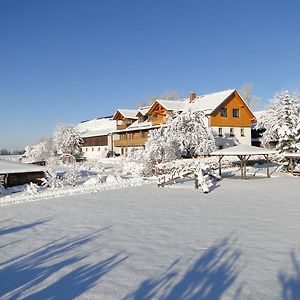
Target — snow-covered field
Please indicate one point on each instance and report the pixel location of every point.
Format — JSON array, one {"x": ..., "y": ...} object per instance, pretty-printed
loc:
[{"x": 241, "y": 241}]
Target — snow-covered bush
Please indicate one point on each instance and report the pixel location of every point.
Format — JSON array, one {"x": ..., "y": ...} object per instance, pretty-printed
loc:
[
  {"x": 32, "y": 188},
  {"x": 54, "y": 161},
  {"x": 51, "y": 180},
  {"x": 281, "y": 122},
  {"x": 2, "y": 185},
  {"x": 71, "y": 176},
  {"x": 66, "y": 139}
]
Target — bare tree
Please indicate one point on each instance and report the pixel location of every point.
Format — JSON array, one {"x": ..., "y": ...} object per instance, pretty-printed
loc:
[
  {"x": 246, "y": 93},
  {"x": 169, "y": 95}
]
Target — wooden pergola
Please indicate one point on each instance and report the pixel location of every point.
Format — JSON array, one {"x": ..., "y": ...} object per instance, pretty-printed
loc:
[{"x": 244, "y": 152}]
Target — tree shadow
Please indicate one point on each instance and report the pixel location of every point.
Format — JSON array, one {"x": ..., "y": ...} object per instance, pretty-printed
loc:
[
  {"x": 290, "y": 284},
  {"x": 206, "y": 278},
  {"x": 8, "y": 230},
  {"x": 31, "y": 275}
]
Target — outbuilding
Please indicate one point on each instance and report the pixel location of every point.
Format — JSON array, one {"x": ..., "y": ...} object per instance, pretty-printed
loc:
[{"x": 15, "y": 173}]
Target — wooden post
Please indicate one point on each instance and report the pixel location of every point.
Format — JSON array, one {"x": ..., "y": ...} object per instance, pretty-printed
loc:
[
  {"x": 268, "y": 170},
  {"x": 245, "y": 164},
  {"x": 220, "y": 165},
  {"x": 242, "y": 165},
  {"x": 196, "y": 181}
]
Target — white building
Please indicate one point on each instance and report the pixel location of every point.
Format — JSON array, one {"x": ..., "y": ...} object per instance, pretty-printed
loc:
[{"x": 97, "y": 137}]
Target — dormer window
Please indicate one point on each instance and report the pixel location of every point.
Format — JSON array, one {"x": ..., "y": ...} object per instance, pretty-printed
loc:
[
  {"x": 223, "y": 112},
  {"x": 236, "y": 113}
]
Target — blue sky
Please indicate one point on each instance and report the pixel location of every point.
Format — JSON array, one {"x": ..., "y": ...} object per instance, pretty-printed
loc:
[{"x": 66, "y": 61}]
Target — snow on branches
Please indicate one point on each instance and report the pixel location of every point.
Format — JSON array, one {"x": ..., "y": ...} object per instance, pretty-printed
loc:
[
  {"x": 282, "y": 123},
  {"x": 185, "y": 136},
  {"x": 38, "y": 152},
  {"x": 66, "y": 139}
]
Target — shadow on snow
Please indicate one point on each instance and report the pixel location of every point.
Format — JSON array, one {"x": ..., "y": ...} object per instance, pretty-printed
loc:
[
  {"x": 206, "y": 278},
  {"x": 8, "y": 230},
  {"x": 54, "y": 271},
  {"x": 290, "y": 284}
]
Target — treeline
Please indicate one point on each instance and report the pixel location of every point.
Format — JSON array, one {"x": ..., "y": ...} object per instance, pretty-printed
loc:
[{"x": 12, "y": 152}]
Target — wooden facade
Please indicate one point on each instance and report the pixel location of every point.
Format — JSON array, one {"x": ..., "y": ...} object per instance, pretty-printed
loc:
[
  {"x": 101, "y": 140},
  {"x": 157, "y": 114},
  {"x": 232, "y": 106},
  {"x": 122, "y": 122},
  {"x": 14, "y": 179},
  {"x": 132, "y": 139}
]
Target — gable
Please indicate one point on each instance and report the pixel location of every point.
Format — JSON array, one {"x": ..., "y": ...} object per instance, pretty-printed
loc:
[
  {"x": 118, "y": 116},
  {"x": 234, "y": 101},
  {"x": 156, "y": 108}
]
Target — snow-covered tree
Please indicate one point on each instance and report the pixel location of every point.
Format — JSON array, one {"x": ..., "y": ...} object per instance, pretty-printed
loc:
[
  {"x": 190, "y": 131},
  {"x": 281, "y": 122},
  {"x": 66, "y": 139},
  {"x": 186, "y": 135},
  {"x": 38, "y": 152}
]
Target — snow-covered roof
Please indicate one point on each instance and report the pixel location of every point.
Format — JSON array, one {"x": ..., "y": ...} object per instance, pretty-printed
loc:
[
  {"x": 9, "y": 167},
  {"x": 139, "y": 126},
  {"x": 208, "y": 103},
  {"x": 243, "y": 150},
  {"x": 143, "y": 110},
  {"x": 96, "y": 127},
  {"x": 128, "y": 113},
  {"x": 174, "y": 105}
]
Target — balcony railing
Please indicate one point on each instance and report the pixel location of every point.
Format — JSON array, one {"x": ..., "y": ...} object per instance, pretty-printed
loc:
[{"x": 130, "y": 142}]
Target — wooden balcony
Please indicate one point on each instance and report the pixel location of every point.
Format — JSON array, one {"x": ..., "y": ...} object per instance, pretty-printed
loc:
[
  {"x": 130, "y": 142},
  {"x": 122, "y": 126}
]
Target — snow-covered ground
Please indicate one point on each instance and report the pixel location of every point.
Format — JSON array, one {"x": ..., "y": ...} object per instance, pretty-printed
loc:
[{"x": 241, "y": 241}]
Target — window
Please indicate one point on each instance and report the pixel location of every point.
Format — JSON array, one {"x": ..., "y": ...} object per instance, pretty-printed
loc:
[
  {"x": 231, "y": 132},
  {"x": 98, "y": 148},
  {"x": 86, "y": 149},
  {"x": 220, "y": 131},
  {"x": 242, "y": 132},
  {"x": 223, "y": 112},
  {"x": 220, "y": 147},
  {"x": 236, "y": 113},
  {"x": 92, "y": 149}
]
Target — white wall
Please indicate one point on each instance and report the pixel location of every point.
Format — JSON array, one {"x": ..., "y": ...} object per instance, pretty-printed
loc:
[
  {"x": 228, "y": 141},
  {"x": 97, "y": 152}
]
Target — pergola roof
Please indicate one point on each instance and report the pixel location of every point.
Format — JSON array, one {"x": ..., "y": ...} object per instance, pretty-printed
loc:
[
  {"x": 243, "y": 150},
  {"x": 290, "y": 155}
]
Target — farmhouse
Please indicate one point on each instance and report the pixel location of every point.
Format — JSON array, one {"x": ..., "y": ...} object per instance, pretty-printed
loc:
[
  {"x": 97, "y": 137},
  {"x": 227, "y": 114},
  {"x": 15, "y": 173}
]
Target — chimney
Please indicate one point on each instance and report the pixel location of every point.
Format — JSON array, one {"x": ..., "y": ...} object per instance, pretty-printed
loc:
[{"x": 193, "y": 95}]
